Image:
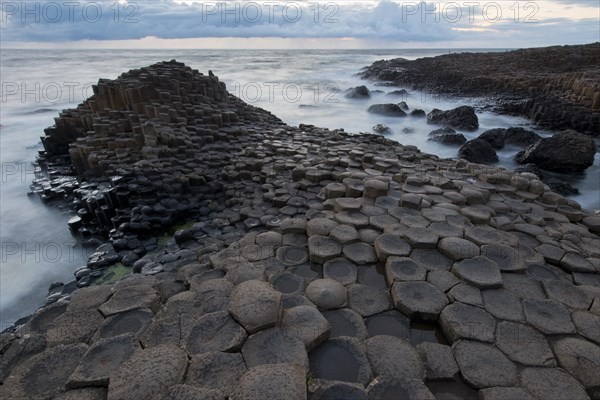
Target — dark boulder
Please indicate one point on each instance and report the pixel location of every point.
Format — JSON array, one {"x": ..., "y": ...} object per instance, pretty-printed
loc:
[
  {"x": 359, "y": 92},
  {"x": 382, "y": 129},
  {"x": 561, "y": 187},
  {"x": 495, "y": 137},
  {"x": 530, "y": 168},
  {"x": 403, "y": 105},
  {"x": 478, "y": 151},
  {"x": 565, "y": 152},
  {"x": 520, "y": 137},
  {"x": 462, "y": 117},
  {"x": 400, "y": 93},
  {"x": 389, "y": 109},
  {"x": 447, "y": 135}
]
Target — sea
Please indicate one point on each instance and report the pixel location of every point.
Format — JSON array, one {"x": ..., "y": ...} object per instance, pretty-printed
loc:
[{"x": 298, "y": 86}]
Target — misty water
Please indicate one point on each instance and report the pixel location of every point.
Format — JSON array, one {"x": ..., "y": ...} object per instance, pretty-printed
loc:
[{"x": 299, "y": 86}]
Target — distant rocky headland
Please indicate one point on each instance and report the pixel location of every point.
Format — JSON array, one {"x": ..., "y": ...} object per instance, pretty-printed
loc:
[
  {"x": 557, "y": 87},
  {"x": 248, "y": 259}
]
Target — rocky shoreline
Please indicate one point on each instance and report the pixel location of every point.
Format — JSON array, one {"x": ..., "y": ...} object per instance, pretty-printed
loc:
[
  {"x": 313, "y": 264},
  {"x": 556, "y": 87}
]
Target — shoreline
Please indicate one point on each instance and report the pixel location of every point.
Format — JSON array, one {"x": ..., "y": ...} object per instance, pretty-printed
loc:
[{"x": 292, "y": 201}]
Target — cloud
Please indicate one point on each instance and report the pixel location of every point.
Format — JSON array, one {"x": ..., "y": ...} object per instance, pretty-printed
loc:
[{"x": 385, "y": 20}]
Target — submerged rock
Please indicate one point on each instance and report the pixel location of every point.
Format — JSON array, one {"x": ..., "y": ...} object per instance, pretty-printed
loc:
[
  {"x": 358, "y": 92},
  {"x": 448, "y": 136},
  {"x": 462, "y": 117},
  {"x": 478, "y": 151},
  {"x": 389, "y": 109}
]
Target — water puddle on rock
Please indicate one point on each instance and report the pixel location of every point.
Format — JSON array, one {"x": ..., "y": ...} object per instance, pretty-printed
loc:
[
  {"x": 426, "y": 332},
  {"x": 456, "y": 389},
  {"x": 333, "y": 362},
  {"x": 372, "y": 275}
]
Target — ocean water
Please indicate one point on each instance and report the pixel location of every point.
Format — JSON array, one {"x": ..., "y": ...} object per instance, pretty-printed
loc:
[{"x": 298, "y": 86}]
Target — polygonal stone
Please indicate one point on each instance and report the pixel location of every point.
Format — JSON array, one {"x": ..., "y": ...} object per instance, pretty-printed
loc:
[
  {"x": 506, "y": 257},
  {"x": 89, "y": 298},
  {"x": 327, "y": 294},
  {"x": 215, "y": 332},
  {"x": 443, "y": 280},
  {"x": 393, "y": 357},
  {"x": 27, "y": 381},
  {"x": 346, "y": 322},
  {"x": 255, "y": 305},
  {"x": 392, "y": 323},
  {"x": 94, "y": 393},
  {"x": 292, "y": 255},
  {"x": 568, "y": 294},
  {"x": 344, "y": 234},
  {"x": 390, "y": 244},
  {"x": 81, "y": 325},
  {"x": 335, "y": 190},
  {"x": 101, "y": 360},
  {"x": 431, "y": 260},
  {"x": 552, "y": 384},
  {"x": 483, "y": 365},
  {"x": 359, "y": 253},
  {"x": 288, "y": 283},
  {"x": 552, "y": 254},
  {"x": 216, "y": 370},
  {"x": 131, "y": 298},
  {"x": 326, "y": 361},
  {"x": 574, "y": 262},
  {"x": 411, "y": 200},
  {"x": 588, "y": 325},
  {"x": 479, "y": 271},
  {"x": 293, "y": 225},
  {"x": 245, "y": 272},
  {"x": 270, "y": 238},
  {"x": 355, "y": 218},
  {"x": 403, "y": 269},
  {"x": 308, "y": 324},
  {"x": 420, "y": 300},
  {"x": 148, "y": 373},
  {"x": 439, "y": 361},
  {"x": 383, "y": 387},
  {"x": 215, "y": 295},
  {"x": 458, "y": 249},
  {"x": 320, "y": 226},
  {"x": 581, "y": 359},
  {"x": 323, "y": 248},
  {"x": 341, "y": 270},
  {"x": 134, "y": 322},
  {"x": 523, "y": 286},
  {"x": 274, "y": 346},
  {"x": 368, "y": 300},
  {"x": 466, "y": 294},
  {"x": 549, "y": 316},
  {"x": 523, "y": 344},
  {"x": 461, "y": 321},
  {"x": 547, "y": 272},
  {"x": 502, "y": 304},
  {"x": 338, "y": 390},
  {"x": 374, "y": 188},
  {"x": 422, "y": 238},
  {"x": 272, "y": 382},
  {"x": 188, "y": 392},
  {"x": 505, "y": 393}
]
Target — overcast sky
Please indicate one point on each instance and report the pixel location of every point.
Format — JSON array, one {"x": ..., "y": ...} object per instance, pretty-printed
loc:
[{"x": 297, "y": 24}]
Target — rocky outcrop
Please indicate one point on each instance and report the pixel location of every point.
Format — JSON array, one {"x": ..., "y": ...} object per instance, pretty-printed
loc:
[
  {"x": 382, "y": 129},
  {"x": 359, "y": 92},
  {"x": 388, "y": 109},
  {"x": 462, "y": 117},
  {"x": 338, "y": 250},
  {"x": 564, "y": 152},
  {"x": 556, "y": 87},
  {"x": 448, "y": 136},
  {"x": 479, "y": 151}
]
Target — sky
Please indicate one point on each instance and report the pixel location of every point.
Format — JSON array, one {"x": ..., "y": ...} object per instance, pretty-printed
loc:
[{"x": 297, "y": 24}]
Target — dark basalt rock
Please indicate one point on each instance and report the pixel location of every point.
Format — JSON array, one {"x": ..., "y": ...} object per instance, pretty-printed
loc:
[
  {"x": 565, "y": 152},
  {"x": 447, "y": 135},
  {"x": 478, "y": 151},
  {"x": 417, "y": 112},
  {"x": 495, "y": 137},
  {"x": 389, "y": 109},
  {"x": 520, "y": 137},
  {"x": 359, "y": 92},
  {"x": 382, "y": 129},
  {"x": 462, "y": 117}
]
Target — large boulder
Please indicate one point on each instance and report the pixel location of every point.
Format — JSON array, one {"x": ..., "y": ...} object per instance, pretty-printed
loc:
[
  {"x": 495, "y": 137},
  {"x": 567, "y": 151},
  {"x": 462, "y": 117},
  {"x": 520, "y": 137},
  {"x": 359, "y": 92},
  {"x": 478, "y": 151},
  {"x": 389, "y": 109},
  {"x": 448, "y": 136}
]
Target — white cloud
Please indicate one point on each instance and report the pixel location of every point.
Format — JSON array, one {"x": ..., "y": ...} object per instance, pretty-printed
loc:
[{"x": 385, "y": 20}]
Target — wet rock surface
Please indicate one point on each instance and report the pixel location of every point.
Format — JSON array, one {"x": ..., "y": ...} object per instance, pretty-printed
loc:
[{"x": 350, "y": 262}]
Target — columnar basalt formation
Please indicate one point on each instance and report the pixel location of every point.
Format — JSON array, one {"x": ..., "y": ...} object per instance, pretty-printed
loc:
[
  {"x": 556, "y": 87},
  {"x": 339, "y": 266}
]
